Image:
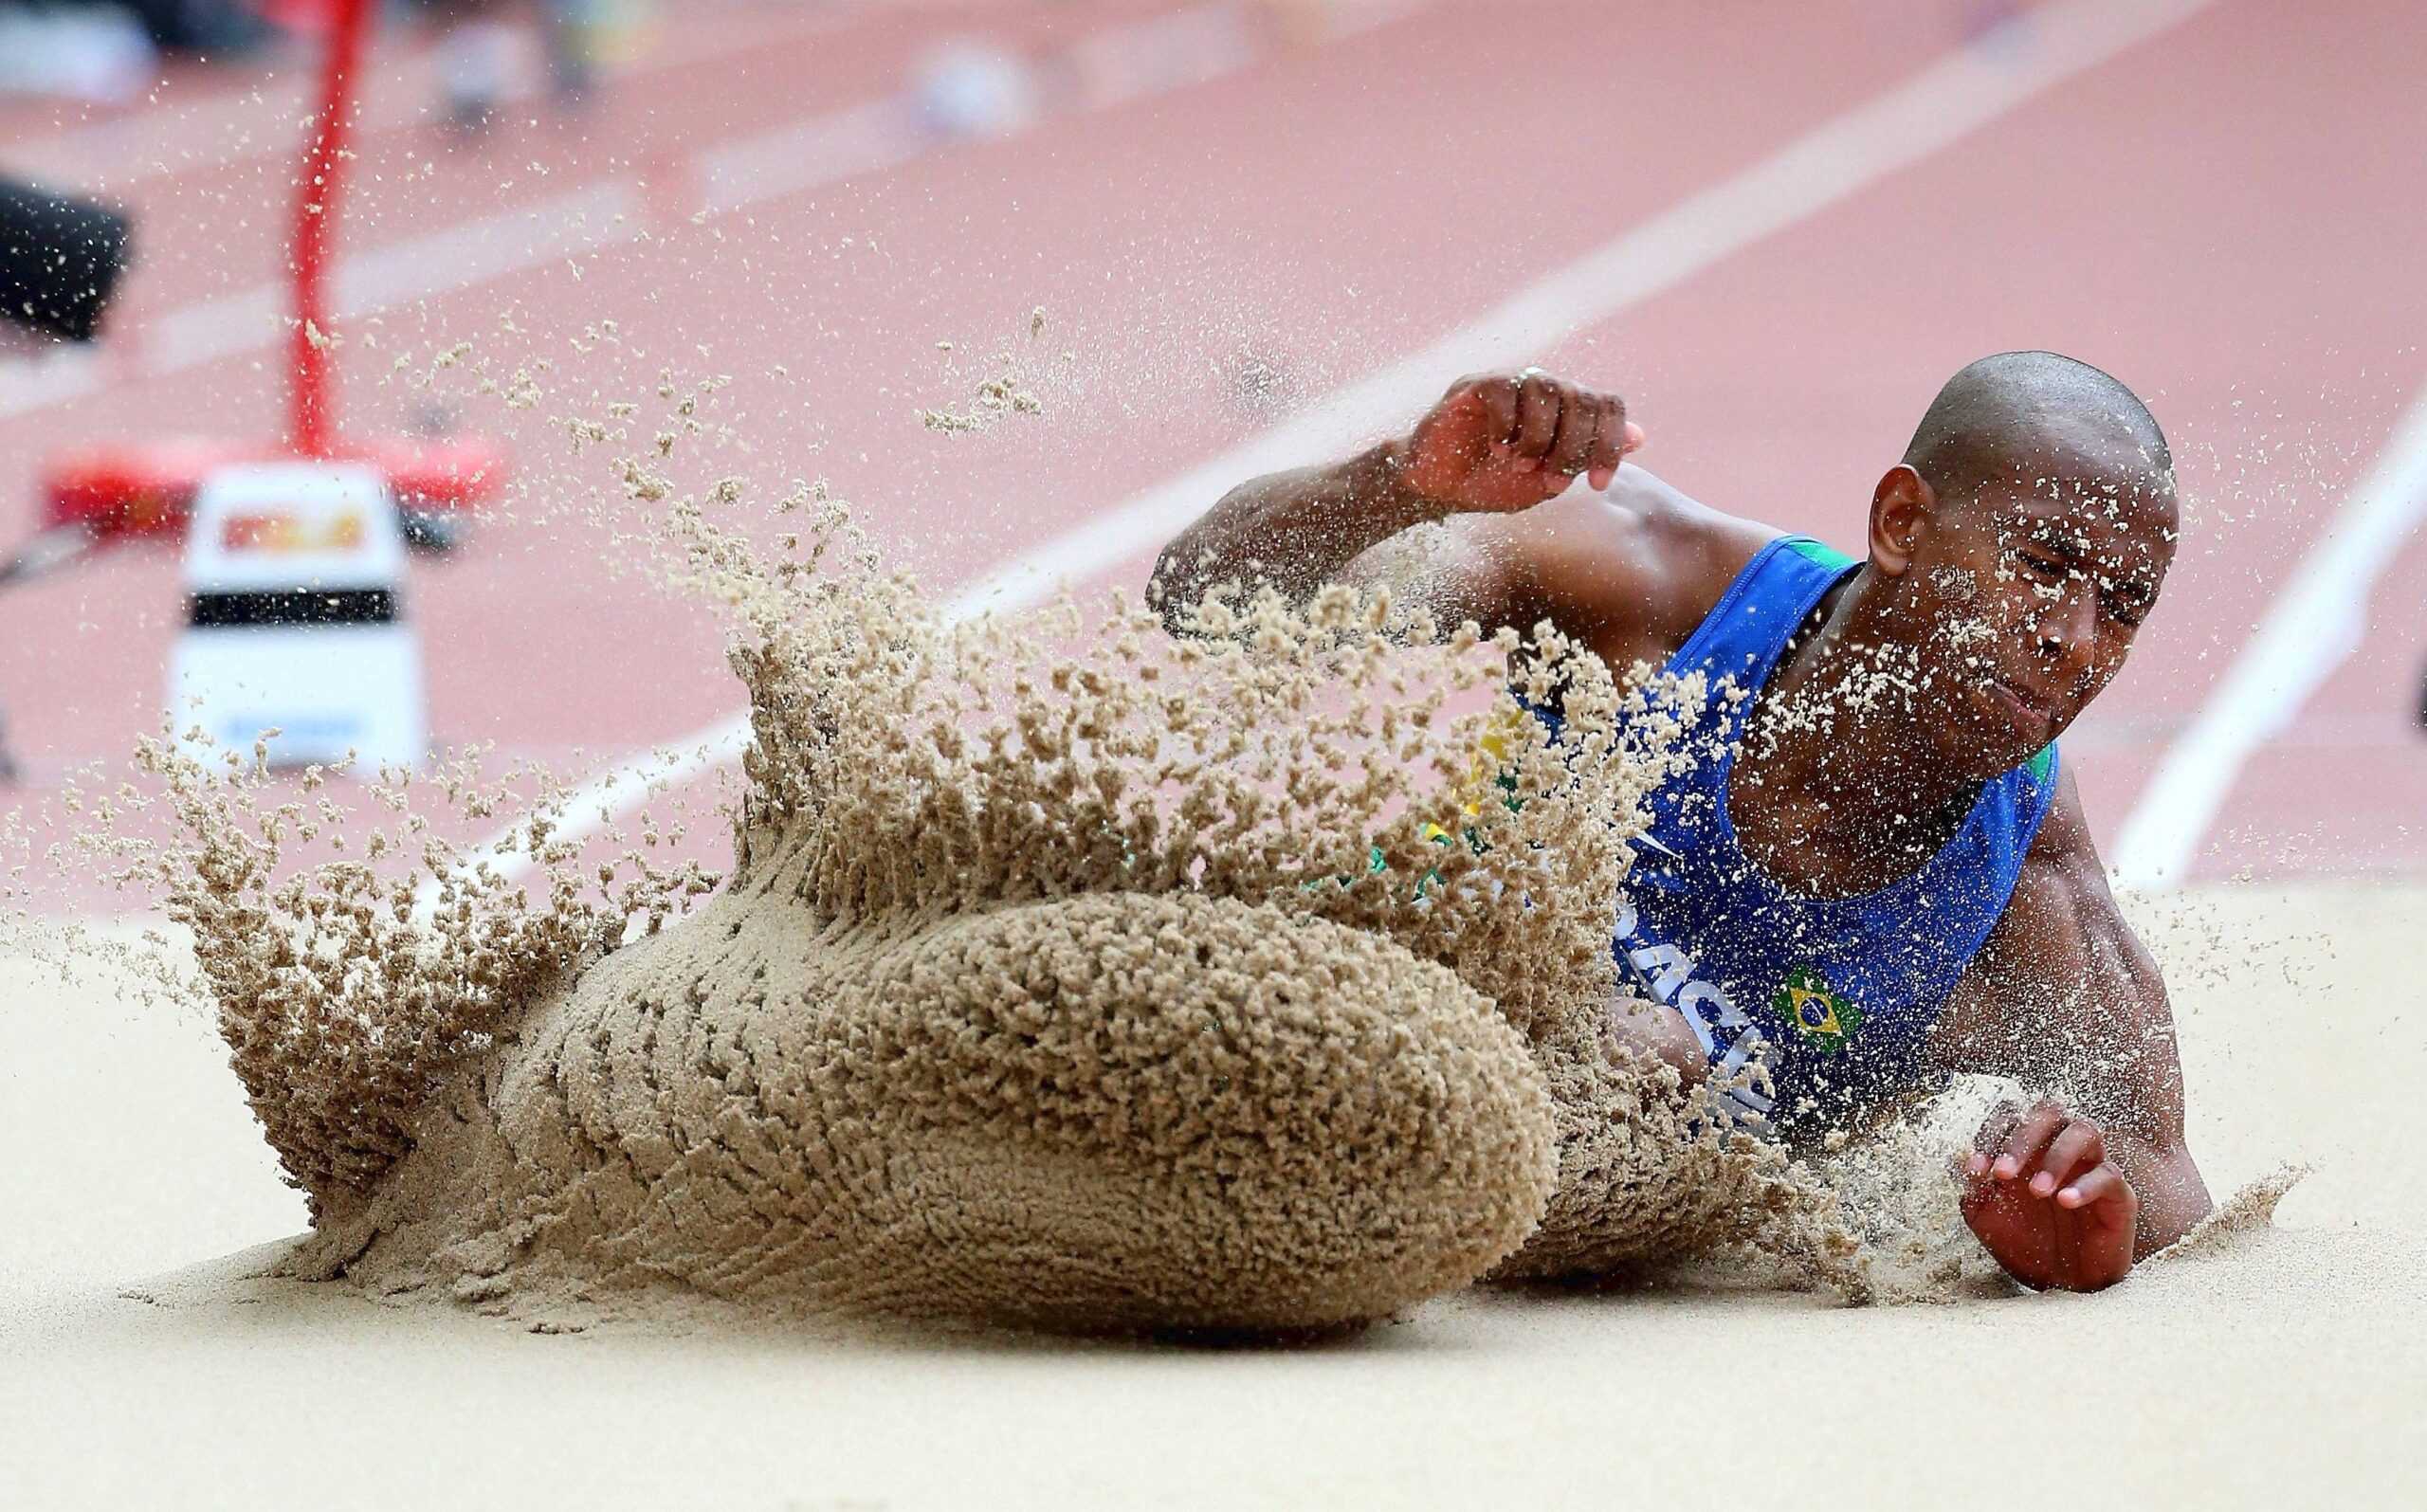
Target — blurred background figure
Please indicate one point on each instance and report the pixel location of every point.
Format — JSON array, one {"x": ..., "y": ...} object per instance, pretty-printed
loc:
[
  {"x": 479, "y": 54},
  {"x": 108, "y": 52},
  {"x": 60, "y": 258},
  {"x": 212, "y": 28},
  {"x": 90, "y": 54},
  {"x": 972, "y": 87}
]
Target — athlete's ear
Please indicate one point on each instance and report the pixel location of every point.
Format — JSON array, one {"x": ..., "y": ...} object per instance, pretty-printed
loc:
[{"x": 1901, "y": 508}]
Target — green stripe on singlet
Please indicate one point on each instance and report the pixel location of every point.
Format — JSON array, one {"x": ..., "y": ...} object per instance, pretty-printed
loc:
[{"x": 1821, "y": 551}]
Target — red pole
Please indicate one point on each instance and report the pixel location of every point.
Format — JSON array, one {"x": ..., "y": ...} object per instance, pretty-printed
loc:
[{"x": 312, "y": 400}]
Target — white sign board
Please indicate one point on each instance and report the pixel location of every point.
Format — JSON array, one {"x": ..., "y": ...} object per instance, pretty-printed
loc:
[{"x": 294, "y": 574}]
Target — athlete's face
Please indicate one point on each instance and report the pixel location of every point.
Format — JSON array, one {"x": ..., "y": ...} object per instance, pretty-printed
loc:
[{"x": 2027, "y": 595}]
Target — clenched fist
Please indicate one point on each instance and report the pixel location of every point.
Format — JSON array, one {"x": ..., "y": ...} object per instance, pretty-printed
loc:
[{"x": 1498, "y": 442}]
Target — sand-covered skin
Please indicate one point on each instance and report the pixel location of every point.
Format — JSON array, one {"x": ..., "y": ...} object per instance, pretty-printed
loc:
[{"x": 1068, "y": 974}]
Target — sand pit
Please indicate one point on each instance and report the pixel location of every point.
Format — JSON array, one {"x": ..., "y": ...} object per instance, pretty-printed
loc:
[{"x": 130, "y": 1372}]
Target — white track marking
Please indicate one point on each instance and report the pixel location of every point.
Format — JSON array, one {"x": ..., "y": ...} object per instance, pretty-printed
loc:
[
  {"x": 807, "y": 155},
  {"x": 442, "y": 262},
  {"x": 1936, "y": 106},
  {"x": 255, "y": 319},
  {"x": 270, "y": 119},
  {"x": 67, "y": 371},
  {"x": 2312, "y": 627},
  {"x": 731, "y": 175}
]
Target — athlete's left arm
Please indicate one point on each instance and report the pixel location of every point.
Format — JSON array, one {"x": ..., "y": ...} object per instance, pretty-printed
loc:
[{"x": 2064, "y": 997}]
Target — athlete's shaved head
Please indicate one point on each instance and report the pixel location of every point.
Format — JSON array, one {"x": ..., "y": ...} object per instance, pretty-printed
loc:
[
  {"x": 2002, "y": 419},
  {"x": 2027, "y": 532}
]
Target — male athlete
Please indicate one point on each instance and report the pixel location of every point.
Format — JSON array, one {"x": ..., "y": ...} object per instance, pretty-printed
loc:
[{"x": 1888, "y": 876}]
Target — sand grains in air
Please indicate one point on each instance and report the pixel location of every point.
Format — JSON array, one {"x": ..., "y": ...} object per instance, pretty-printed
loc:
[{"x": 1068, "y": 974}]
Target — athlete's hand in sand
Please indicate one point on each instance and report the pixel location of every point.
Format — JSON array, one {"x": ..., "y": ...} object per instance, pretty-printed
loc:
[
  {"x": 1501, "y": 441},
  {"x": 2042, "y": 1195}
]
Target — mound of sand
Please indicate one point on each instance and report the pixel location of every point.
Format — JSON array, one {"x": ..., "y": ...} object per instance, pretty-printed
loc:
[
  {"x": 1119, "y": 1110},
  {"x": 1068, "y": 974}
]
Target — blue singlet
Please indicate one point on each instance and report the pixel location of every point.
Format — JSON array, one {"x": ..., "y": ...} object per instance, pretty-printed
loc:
[{"x": 1832, "y": 996}]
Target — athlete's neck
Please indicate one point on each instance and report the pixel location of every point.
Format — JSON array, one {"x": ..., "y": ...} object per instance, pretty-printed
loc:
[{"x": 1836, "y": 779}]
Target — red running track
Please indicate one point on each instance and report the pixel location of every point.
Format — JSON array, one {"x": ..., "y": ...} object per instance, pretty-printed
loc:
[{"x": 2222, "y": 214}]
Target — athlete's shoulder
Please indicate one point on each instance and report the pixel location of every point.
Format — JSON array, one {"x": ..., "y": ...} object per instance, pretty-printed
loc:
[
  {"x": 1683, "y": 538},
  {"x": 1635, "y": 567}
]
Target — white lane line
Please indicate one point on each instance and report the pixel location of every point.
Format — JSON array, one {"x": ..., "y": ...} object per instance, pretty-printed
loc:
[
  {"x": 1941, "y": 104},
  {"x": 730, "y": 175},
  {"x": 807, "y": 155},
  {"x": 238, "y": 124},
  {"x": 2312, "y": 627},
  {"x": 446, "y": 261},
  {"x": 67, "y": 371},
  {"x": 442, "y": 262}
]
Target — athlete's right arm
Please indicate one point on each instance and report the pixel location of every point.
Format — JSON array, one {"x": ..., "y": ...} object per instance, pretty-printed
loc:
[{"x": 1497, "y": 444}]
